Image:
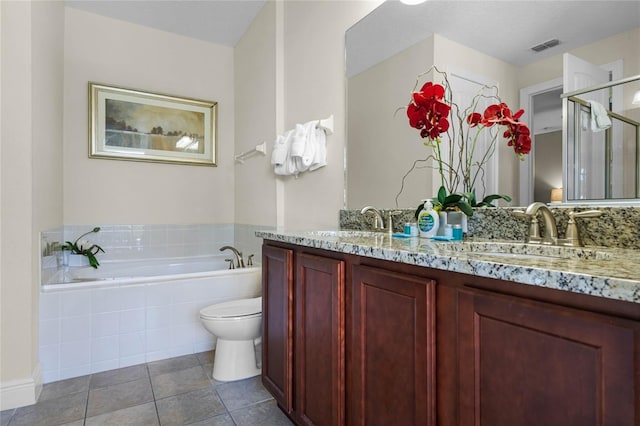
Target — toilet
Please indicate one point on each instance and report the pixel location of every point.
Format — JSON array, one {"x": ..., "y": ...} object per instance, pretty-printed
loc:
[{"x": 237, "y": 324}]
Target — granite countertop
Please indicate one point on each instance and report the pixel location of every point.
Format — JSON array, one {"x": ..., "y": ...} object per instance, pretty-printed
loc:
[{"x": 605, "y": 272}]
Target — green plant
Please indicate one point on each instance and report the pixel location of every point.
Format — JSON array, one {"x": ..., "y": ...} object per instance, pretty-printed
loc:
[
  {"x": 461, "y": 202},
  {"x": 460, "y": 164},
  {"x": 85, "y": 248}
]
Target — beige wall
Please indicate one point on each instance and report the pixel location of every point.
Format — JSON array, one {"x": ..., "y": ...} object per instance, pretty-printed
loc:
[
  {"x": 255, "y": 122},
  {"x": 114, "y": 52},
  {"x": 31, "y": 183},
  {"x": 49, "y": 53},
  {"x": 382, "y": 147},
  {"x": 621, "y": 46},
  {"x": 314, "y": 88}
]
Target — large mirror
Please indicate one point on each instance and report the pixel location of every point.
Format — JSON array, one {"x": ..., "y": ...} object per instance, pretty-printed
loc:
[{"x": 509, "y": 45}]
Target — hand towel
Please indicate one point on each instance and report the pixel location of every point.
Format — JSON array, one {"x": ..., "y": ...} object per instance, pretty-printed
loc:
[
  {"x": 288, "y": 165},
  {"x": 599, "y": 118},
  {"x": 279, "y": 153},
  {"x": 320, "y": 156},
  {"x": 305, "y": 136},
  {"x": 299, "y": 141}
]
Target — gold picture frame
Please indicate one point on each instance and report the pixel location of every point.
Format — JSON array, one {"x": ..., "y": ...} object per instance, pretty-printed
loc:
[{"x": 129, "y": 124}]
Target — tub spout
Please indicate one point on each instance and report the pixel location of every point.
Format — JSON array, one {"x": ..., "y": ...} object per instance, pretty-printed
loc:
[{"x": 237, "y": 254}]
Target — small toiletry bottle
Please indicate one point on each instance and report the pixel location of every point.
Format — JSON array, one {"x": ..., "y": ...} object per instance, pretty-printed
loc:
[
  {"x": 448, "y": 231},
  {"x": 457, "y": 232},
  {"x": 428, "y": 221}
]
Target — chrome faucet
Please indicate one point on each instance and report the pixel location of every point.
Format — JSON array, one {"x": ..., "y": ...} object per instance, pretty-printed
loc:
[
  {"x": 379, "y": 223},
  {"x": 550, "y": 228},
  {"x": 237, "y": 254},
  {"x": 572, "y": 235}
]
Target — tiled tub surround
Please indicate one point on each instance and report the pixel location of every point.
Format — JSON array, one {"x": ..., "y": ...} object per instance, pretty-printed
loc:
[
  {"x": 615, "y": 275},
  {"x": 153, "y": 241},
  {"x": 617, "y": 227},
  {"x": 107, "y": 326},
  {"x": 88, "y": 330}
]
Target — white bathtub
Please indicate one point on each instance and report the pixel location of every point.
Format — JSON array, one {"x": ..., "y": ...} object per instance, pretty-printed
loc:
[
  {"x": 112, "y": 273},
  {"x": 132, "y": 312}
]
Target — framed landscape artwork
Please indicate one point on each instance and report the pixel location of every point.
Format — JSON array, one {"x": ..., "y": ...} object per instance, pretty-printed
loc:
[{"x": 127, "y": 124}]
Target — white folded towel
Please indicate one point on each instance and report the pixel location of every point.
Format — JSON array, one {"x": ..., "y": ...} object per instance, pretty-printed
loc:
[
  {"x": 279, "y": 153},
  {"x": 301, "y": 149},
  {"x": 320, "y": 156},
  {"x": 599, "y": 118},
  {"x": 305, "y": 136},
  {"x": 299, "y": 140},
  {"x": 288, "y": 166}
]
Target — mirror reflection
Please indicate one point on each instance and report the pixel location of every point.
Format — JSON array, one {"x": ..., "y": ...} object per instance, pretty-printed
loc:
[
  {"x": 603, "y": 140},
  {"x": 483, "y": 43}
]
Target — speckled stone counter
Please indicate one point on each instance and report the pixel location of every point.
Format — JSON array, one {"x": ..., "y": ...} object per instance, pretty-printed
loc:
[
  {"x": 605, "y": 272},
  {"x": 617, "y": 227}
]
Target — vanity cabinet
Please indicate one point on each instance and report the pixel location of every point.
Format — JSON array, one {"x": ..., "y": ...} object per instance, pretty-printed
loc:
[
  {"x": 360, "y": 341},
  {"x": 319, "y": 340},
  {"x": 527, "y": 362},
  {"x": 392, "y": 343},
  {"x": 277, "y": 325}
]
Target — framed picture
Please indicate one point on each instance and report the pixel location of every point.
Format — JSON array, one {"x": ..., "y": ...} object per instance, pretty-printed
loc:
[{"x": 127, "y": 124}]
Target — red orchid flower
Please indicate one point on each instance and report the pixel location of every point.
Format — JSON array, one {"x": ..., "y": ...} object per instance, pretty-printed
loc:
[
  {"x": 474, "y": 119},
  {"x": 428, "y": 112}
]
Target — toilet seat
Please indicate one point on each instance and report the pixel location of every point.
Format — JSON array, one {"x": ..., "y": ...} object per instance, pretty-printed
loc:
[{"x": 242, "y": 308}]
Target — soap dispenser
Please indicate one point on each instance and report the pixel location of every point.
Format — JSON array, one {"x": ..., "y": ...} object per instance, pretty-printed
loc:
[{"x": 428, "y": 221}]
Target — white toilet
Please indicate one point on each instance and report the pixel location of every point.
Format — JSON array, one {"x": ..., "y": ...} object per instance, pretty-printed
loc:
[{"x": 236, "y": 324}]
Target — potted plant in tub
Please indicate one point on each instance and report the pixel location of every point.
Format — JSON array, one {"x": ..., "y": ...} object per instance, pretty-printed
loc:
[{"x": 82, "y": 252}]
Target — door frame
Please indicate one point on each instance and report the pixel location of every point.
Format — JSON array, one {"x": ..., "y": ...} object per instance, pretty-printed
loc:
[
  {"x": 526, "y": 103},
  {"x": 527, "y": 165}
]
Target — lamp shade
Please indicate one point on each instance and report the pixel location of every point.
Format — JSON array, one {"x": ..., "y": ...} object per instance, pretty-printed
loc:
[
  {"x": 636, "y": 98},
  {"x": 556, "y": 195}
]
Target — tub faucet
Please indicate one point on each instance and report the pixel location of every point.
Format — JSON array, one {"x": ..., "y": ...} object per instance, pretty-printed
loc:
[{"x": 237, "y": 254}]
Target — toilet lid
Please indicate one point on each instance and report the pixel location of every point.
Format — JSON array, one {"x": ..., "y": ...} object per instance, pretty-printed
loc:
[{"x": 233, "y": 308}]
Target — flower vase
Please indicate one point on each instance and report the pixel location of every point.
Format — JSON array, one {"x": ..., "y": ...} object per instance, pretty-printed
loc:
[
  {"x": 452, "y": 218},
  {"x": 78, "y": 260}
]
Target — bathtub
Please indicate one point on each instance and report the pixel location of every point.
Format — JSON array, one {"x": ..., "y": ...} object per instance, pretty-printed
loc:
[
  {"x": 111, "y": 273},
  {"x": 132, "y": 312}
]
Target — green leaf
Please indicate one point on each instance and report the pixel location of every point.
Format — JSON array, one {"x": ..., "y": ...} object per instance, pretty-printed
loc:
[
  {"x": 442, "y": 194},
  {"x": 471, "y": 196},
  {"x": 465, "y": 207},
  {"x": 452, "y": 199},
  {"x": 488, "y": 200}
]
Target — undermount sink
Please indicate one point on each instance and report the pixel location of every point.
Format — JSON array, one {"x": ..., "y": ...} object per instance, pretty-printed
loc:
[{"x": 515, "y": 250}]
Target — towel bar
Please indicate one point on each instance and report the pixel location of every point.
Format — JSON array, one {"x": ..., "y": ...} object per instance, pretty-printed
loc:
[{"x": 261, "y": 148}]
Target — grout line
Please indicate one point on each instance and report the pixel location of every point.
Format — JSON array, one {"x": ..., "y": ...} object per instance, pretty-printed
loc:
[
  {"x": 153, "y": 393},
  {"x": 86, "y": 405}
]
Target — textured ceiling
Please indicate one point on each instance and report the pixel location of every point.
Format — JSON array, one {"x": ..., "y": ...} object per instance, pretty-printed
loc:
[{"x": 503, "y": 29}]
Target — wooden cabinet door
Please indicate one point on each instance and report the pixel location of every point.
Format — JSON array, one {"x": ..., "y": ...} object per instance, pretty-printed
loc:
[
  {"x": 529, "y": 363},
  {"x": 392, "y": 349},
  {"x": 277, "y": 324},
  {"x": 319, "y": 341}
]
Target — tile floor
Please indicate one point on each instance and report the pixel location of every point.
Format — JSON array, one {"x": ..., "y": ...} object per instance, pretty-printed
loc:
[{"x": 176, "y": 391}]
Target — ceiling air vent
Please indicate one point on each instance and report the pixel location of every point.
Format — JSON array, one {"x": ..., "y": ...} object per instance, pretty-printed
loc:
[{"x": 546, "y": 45}]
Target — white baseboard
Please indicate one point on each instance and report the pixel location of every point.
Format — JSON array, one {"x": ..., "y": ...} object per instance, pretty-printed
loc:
[{"x": 21, "y": 392}]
